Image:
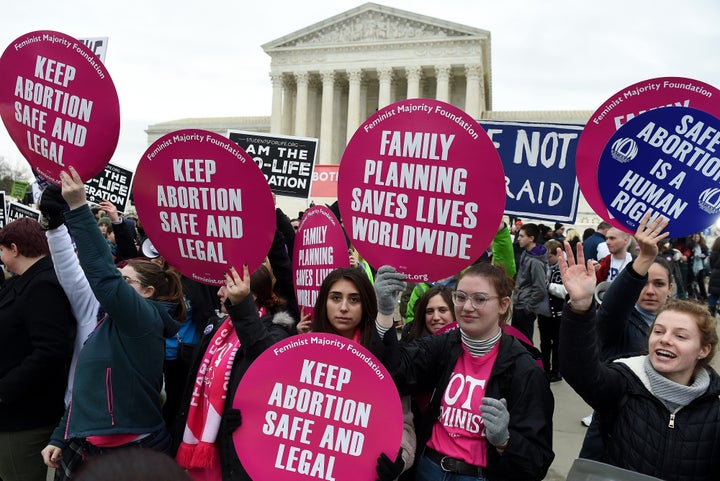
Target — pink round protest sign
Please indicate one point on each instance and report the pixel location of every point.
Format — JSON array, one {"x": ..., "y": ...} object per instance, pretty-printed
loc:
[
  {"x": 204, "y": 204},
  {"x": 328, "y": 413},
  {"x": 421, "y": 187},
  {"x": 59, "y": 104},
  {"x": 319, "y": 248},
  {"x": 620, "y": 108}
]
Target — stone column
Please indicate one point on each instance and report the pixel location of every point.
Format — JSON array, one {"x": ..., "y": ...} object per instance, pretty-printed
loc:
[
  {"x": 353, "y": 118},
  {"x": 277, "y": 103},
  {"x": 326, "y": 117},
  {"x": 301, "y": 104},
  {"x": 413, "y": 81},
  {"x": 473, "y": 93},
  {"x": 288, "y": 107},
  {"x": 314, "y": 106},
  {"x": 385, "y": 79},
  {"x": 442, "y": 74}
]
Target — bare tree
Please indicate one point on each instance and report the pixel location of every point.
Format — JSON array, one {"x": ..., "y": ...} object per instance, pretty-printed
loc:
[{"x": 12, "y": 171}]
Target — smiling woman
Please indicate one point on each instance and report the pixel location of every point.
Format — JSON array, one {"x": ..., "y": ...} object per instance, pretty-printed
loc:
[{"x": 669, "y": 396}]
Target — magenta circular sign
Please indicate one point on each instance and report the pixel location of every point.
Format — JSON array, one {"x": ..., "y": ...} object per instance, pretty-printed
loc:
[
  {"x": 320, "y": 247},
  {"x": 59, "y": 104},
  {"x": 618, "y": 110},
  {"x": 204, "y": 204},
  {"x": 421, "y": 187},
  {"x": 327, "y": 414}
]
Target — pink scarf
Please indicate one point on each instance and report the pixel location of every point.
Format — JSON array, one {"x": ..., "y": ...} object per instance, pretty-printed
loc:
[{"x": 198, "y": 448}]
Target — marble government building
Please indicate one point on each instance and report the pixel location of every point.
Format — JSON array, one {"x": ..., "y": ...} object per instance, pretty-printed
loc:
[{"x": 330, "y": 76}]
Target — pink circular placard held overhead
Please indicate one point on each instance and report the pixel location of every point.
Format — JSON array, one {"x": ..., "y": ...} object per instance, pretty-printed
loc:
[
  {"x": 327, "y": 413},
  {"x": 421, "y": 187},
  {"x": 618, "y": 110},
  {"x": 319, "y": 248},
  {"x": 59, "y": 104},
  {"x": 204, "y": 204}
]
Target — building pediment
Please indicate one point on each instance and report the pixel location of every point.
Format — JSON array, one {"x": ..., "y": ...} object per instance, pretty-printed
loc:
[{"x": 372, "y": 23}]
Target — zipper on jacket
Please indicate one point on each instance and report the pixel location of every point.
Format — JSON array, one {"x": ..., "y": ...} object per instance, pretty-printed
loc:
[
  {"x": 109, "y": 394},
  {"x": 671, "y": 424}
]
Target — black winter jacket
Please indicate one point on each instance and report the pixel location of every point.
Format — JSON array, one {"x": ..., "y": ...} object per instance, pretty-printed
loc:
[
  {"x": 640, "y": 433},
  {"x": 37, "y": 331},
  {"x": 621, "y": 329},
  {"x": 714, "y": 281},
  {"x": 426, "y": 365}
]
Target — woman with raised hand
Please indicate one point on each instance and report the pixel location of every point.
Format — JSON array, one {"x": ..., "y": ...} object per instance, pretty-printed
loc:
[
  {"x": 629, "y": 307},
  {"x": 659, "y": 413},
  {"x": 256, "y": 319},
  {"x": 116, "y": 396},
  {"x": 490, "y": 416}
]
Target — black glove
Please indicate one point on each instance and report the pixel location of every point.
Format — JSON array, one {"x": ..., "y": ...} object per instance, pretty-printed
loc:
[
  {"x": 232, "y": 419},
  {"x": 52, "y": 208},
  {"x": 389, "y": 470}
]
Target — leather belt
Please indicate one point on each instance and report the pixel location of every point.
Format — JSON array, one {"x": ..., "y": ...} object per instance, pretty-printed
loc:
[{"x": 454, "y": 466}]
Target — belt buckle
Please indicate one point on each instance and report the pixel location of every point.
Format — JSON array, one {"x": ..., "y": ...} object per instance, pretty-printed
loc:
[{"x": 442, "y": 464}]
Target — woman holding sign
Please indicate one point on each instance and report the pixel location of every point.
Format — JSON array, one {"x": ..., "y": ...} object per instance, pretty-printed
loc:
[
  {"x": 347, "y": 306},
  {"x": 256, "y": 319},
  {"x": 116, "y": 396},
  {"x": 496, "y": 403},
  {"x": 661, "y": 411}
]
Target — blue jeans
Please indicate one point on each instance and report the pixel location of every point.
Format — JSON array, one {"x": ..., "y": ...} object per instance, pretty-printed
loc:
[{"x": 429, "y": 471}]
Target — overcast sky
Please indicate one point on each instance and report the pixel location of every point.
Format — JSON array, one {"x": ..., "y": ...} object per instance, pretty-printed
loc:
[{"x": 179, "y": 59}]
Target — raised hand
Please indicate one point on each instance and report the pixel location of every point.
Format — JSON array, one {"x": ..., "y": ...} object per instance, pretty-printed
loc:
[
  {"x": 578, "y": 277},
  {"x": 237, "y": 287},
  {"x": 73, "y": 188},
  {"x": 648, "y": 234}
]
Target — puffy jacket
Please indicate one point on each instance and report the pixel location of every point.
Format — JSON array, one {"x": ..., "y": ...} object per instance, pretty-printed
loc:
[
  {"x": 531, "y": 281},
  {"x": 714, "y": 281},
  {"x": 640, "y": 433},
  {"x": 621, "y": 328}
]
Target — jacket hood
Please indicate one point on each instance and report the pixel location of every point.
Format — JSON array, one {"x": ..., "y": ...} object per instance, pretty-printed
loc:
[
  {"x": 284, "y": 319},
  {"x": 538, "y": 251}
]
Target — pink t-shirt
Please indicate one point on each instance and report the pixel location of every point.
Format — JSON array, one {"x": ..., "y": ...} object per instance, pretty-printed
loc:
[{"x": 459, "y": 431}]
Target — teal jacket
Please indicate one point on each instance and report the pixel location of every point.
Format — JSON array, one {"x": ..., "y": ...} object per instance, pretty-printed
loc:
[{"x": 119, "y": 372}]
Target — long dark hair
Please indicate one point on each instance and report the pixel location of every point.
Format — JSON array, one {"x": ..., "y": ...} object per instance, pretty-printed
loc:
[
  {"x": 368, "y": 301},
  {"x": 418, "y": 327},
  {"x": 262, "y": 282}
]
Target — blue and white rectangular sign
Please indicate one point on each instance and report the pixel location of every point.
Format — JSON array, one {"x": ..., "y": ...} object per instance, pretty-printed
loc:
[{"x": 539, "y": 164}]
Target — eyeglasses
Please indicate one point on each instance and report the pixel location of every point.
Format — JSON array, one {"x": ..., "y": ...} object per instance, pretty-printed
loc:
[
  {"x": 130, "y": 280},
  {"x": 476, "y": 300}
]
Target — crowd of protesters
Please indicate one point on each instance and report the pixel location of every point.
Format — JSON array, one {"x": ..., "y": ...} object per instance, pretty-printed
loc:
[{"x": 108, "y": 349}]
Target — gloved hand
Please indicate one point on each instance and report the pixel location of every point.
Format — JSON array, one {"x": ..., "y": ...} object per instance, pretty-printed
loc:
[
  {"x": 388, "y": 470},
  {"x": 388, "y": 285},
  {"x": 496, "y": 419},
  {"x": 232, "y": 419},
  {"x": 52, "y": 208}
]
